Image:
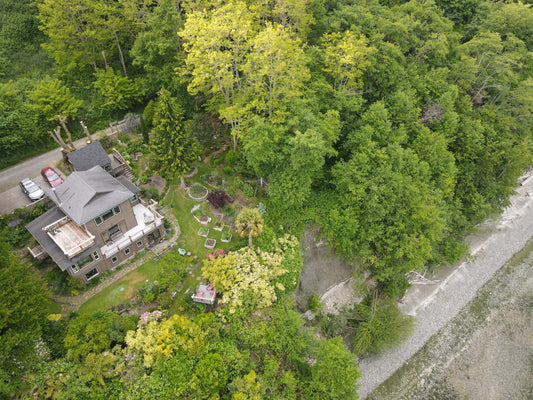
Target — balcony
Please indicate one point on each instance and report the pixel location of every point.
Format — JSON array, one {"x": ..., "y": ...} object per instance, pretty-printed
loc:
[
  {"x": 69, "y": 237},
  {"x": 148, "y": 219}
]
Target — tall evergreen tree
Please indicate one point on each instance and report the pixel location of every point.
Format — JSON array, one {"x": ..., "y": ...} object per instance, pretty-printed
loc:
[{"x": 172, "y": 144}]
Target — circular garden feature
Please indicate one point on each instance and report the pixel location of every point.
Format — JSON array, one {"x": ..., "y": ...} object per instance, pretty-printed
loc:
[{"x": 198, "y": 191}]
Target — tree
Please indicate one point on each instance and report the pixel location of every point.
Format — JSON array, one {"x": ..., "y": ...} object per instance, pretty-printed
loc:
[
  {"x": 51, "y": 98},
  {"x": 22, "y": 311},
  {"x": 335, "y": 373},
  {"x": 157, "y": 49},
  {"x": 249, "y": 278},
  {"x": 119, "y": 92},
  {"x": 86, "y": 34},
  {"x": 249, "y": 223},
  {"x": 172, "y": 144},
  {"x": 217, "y": 44},
  {"x": 346, "y": 59},
  {"x": 95, "y": 333},
  {"x": 276, "y": 71}
]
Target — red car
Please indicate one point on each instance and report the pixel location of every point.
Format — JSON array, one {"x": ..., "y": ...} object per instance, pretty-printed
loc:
[{"x": 51, "y": 176}]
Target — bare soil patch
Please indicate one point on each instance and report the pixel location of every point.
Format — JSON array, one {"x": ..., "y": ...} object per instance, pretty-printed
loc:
[
  {"x": 322, "y": 271},
  {"x": 157, "y": 182}
]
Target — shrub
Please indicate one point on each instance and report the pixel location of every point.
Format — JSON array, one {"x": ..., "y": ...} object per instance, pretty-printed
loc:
[
  {"x": 228, "y": 170},
  {"x": 232, "y": 158},
  {"x": 315, "y": 304},
  {"x": 248, "y": 189},
  {"x": 261, "y": 207},
  {"x": 153, "y": 193},
  {"x": 164, "y": 300},
  {"x": 395, "y": 284},
  {"x": 217, "y": 198},
  {"x": 108, "y": 142},
  {"x": 381, "y": 326}
]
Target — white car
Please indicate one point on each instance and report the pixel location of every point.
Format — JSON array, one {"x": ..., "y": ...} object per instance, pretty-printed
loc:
[{"x": 31, "y": 189}]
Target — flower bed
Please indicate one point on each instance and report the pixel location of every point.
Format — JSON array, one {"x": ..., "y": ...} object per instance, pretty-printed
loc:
[
  {"x": 218, "y": 226},
  {"x": 203, "y": 231},
  {"x": 226, "y": 237},
  {"x": 210, "y": 243},
  {"x": 213, "y": 180}
]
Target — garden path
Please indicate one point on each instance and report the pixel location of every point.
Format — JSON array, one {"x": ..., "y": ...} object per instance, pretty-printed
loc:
[{"x": 73, "y": 303}]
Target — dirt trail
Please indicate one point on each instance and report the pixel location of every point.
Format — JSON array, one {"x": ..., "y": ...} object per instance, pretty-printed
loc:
[{"x": 437, "y": 304}]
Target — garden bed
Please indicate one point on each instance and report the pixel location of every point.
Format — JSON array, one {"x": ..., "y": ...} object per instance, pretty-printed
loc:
[
  {"x": 203, "y": 231},
  {"x": 226, "y": 237},
  {"x": 210, "y": 243},
  {"x": 218, "y": 226},
  {"x": 197, "y": 191}
]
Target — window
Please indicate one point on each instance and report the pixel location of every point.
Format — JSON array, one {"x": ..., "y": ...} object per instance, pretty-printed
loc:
[
  {"x": 139, "y": 243},
  {"x": 114, "y": 259},
  {"x": 133, "y": 199},
  {"x": 75, "y": 268},
  {"x": 127, "y": 251},
  {"x": 107, "y": 215},
  {"x": 91, "y": 274},
  {"x": 85, "y": 261},
  {"x": 96, "y": 256},
  {"x": 114, "y": 229}
]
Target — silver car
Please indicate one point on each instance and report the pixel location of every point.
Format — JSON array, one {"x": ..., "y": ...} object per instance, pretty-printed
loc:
[{"x": 31, "y": 189}]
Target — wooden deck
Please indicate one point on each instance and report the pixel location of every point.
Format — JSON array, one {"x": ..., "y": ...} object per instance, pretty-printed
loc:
[{"x": 71, "y": 238}]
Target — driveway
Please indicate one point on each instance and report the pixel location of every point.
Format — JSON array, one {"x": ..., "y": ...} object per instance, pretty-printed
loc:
[{"x": 11, "y": 195}]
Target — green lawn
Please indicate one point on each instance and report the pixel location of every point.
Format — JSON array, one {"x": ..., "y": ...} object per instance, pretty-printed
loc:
[{"x": 123, "y": 289}]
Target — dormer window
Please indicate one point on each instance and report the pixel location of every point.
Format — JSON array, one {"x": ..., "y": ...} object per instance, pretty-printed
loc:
[{"x": 109, "y": 214}]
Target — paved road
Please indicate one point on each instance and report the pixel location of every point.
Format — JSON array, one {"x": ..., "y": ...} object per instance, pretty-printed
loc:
[
  {"x": 11, "y": 195},
  {"x": 435, "y": 305}
]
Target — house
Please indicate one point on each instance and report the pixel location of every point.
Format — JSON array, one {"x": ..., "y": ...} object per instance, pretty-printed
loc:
[
  {"x": 89, "y": 156},
  {"x": 97, "y": 223},
  {"x": 94, "y": 154}
]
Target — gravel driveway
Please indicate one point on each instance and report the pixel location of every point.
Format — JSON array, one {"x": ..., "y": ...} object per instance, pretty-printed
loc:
[{"x": 436, "y": 304}]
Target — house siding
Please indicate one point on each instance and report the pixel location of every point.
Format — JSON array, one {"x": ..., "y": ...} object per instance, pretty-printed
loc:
[
  {"x": 126, "y": 214},
  {"x": 105, "y": 264}
]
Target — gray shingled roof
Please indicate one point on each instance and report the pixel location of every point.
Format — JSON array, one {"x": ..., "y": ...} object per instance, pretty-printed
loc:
[
  {"x": 36, "y": 229},
  {"x": 122, "y": 179},
  {"x": 89, "y": 156},
  {"x": 86, "y": 194}
]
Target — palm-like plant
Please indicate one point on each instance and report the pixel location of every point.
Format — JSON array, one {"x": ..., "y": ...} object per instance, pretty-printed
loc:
[{"x": 249, "y": 223}]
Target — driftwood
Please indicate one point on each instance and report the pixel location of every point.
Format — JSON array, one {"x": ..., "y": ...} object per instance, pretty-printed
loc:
[
  {"x": 62, "y": 120},
  {"x": 56, "y": 135}
]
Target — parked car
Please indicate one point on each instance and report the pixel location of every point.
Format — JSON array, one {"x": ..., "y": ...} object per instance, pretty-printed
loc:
[
  {"x": 51, "y": 176},
  {"x": 31, "y": 189}
]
